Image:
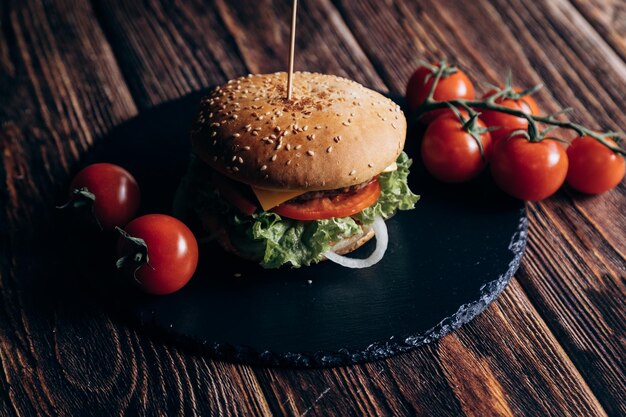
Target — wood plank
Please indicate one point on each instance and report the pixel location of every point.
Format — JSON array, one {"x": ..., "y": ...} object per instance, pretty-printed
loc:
[
  {"x": 324, "y": 42},
  {"x": 61, "y": 88},
  {"x": 438, "y": 381},
  {"x": 47, "y": 121},
  {"x": 383, "y": 388},
  {"x": 198, "y": 47},
  {"x": 515, "y": 342},
  {"x": 191, "y": 50},
  {"x": 50, "y": 114},
  {"x": 575, "y": 277},
  {"x": 590, "y": 320},
  {"x": 516, "y": 358},
  {"x": 608, "y": 17}
]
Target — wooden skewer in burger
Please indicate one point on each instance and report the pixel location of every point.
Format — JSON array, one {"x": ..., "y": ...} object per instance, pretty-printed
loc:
[{"x": 281, "y": 180}]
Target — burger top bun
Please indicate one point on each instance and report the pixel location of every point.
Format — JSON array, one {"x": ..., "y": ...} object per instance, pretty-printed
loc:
[{"x": 334, "y": 133}]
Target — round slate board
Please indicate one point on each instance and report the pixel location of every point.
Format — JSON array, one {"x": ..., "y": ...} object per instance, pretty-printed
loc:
[{"x": 447, "y": 260}]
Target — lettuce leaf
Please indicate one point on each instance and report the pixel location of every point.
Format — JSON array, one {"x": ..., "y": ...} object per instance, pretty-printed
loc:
[
  {"x": 395, "y": 193},
  {"x": 277, "y": 241},
  {"x": 288, "y": 241}
]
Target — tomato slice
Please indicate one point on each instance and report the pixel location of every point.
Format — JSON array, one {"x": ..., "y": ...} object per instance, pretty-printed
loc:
[
  {"x": 342, "y": 205},
  {"x": 231, "y": 191}
]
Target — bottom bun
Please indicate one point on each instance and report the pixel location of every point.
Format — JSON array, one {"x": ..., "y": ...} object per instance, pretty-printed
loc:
[{"x": 214, "y": 226}]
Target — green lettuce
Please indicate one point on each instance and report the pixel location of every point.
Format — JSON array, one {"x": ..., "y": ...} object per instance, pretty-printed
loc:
[
  {"x": 277, "y": 241},
  {"x": 395, "y": 193}
]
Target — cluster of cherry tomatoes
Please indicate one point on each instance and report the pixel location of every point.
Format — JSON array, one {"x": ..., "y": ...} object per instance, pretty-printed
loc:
[
  {"x": 457, "y": 147},
  {"x": 159, "y": 251}
]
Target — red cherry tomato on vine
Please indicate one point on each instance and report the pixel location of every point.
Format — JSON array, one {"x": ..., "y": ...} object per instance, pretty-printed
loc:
[
  {"x": 454, "y": 86},
  {"x": 593, "y": 168},
  {"x": 508, "y": 123},
  {"x": 450, "y": 153},
  {"x": 528, "y": 103},
  {"x": 171, "y": 249},
  {"x": 529, "y": 170},
  {"x": 111, "y": 189}
]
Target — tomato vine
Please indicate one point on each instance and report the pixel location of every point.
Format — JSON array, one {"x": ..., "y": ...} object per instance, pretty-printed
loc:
[{"x": 534, "y": 134}]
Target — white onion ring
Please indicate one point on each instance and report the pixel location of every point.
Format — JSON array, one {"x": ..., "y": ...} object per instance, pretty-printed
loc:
[{"x": 382, "y": 240}]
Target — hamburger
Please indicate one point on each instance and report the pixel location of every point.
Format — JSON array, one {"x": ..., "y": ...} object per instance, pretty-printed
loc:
[{"x": 297, "y": 181}]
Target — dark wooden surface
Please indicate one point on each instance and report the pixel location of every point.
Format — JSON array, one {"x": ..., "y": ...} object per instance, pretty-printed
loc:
[{"x": 552, "y": 344}]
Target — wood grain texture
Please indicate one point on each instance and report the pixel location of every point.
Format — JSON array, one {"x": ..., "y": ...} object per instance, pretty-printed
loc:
[
  {"x": 582, "y": 299},
  {"x": 158, "y": 41},
  {"x": 507, "y": 344},
  {"x": 549, "y": 346},
  {"x": 61, "y": 88},
  {"x": 199, "y": 44},
  {"x": 51, "y": 109},
  {"x": 608, "y": 17}
]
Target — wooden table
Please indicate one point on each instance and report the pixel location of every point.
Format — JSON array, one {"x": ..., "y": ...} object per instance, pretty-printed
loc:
[{"x": 552, "y": 344}]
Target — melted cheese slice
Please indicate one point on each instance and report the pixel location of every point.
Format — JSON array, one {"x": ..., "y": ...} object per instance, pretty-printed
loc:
[{"x": 270, "y": 198}]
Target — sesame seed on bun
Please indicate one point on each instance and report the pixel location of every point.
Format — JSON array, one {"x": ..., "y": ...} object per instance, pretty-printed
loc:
[{"x": 333, "y": 133}]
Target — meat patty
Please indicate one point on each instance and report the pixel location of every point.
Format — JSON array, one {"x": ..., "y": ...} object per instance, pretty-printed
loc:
[{"x": 329, "y": 193}]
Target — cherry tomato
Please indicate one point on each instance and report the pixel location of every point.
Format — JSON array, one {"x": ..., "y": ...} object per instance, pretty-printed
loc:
[
  {"x": 233, "y": 192},
  {"x": 529, "y": 170},
  {"x": 111, "y": 190},
  {"x": 508, "y": 123},
  {"x": 529, "y": 105},
  {"x": 342, "y": 205},
  {"x": 454, "y": 86},
  {"x": 450, "y": 153},
  {"x": 169, "y": 257},
  {"x": 593, "y": 168}
]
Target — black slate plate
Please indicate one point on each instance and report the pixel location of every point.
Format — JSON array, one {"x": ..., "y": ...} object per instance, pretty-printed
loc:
[{"x": 447, "y": 260}]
